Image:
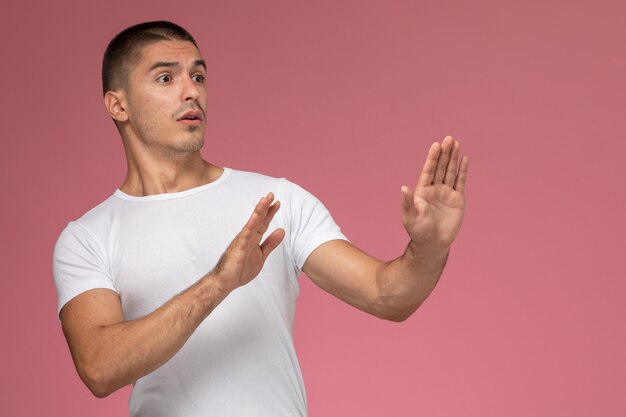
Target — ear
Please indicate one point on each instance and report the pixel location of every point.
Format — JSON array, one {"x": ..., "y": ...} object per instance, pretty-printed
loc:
[{"x": 115, "y": 103}]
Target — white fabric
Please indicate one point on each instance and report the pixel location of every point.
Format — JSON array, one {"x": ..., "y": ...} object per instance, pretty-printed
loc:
[{"x": 241, "y": 360}]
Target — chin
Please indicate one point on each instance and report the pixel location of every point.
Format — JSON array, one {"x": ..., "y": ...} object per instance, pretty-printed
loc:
[
  {"x": 189, "y": 145},
  {"x": 193, "y": 143},
  {"x": 192, "y": 146}
]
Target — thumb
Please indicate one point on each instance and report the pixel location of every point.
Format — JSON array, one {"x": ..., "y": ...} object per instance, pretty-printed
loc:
[
  {"x": 271, "y": 242},
  {"x": 408, "y": 205},
  {"x": 407, "y": 198}
]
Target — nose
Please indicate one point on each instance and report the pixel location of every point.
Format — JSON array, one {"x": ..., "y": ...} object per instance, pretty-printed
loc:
[{"x": 191, "y": 90}]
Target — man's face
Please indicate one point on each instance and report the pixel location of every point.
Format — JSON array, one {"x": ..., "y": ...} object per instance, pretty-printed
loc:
[{"x": 167, "y": 98}]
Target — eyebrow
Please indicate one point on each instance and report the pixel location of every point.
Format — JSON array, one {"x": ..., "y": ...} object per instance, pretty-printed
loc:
[{"x": 169, "y": 64}]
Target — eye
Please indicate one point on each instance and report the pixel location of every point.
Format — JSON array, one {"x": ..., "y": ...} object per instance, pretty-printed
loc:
[
  {"x": 165, "y": 78},
  {"x": 199, "y": 78}
]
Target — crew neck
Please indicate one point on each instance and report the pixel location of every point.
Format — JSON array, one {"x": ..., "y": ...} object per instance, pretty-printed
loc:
[{"x": 172, "y": 196}]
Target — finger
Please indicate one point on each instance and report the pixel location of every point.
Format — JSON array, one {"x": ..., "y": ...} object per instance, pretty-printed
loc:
[
  {"x": 272, "y": 242},
  {"x": 257, "y": 216},
  {"x": 428, "y": 171},
  {"x": 444, "y": 157},
  {"x": 452, "y": 165},
  {"x": 461, "y": 179},
  {"x": 269, "y": 217}
]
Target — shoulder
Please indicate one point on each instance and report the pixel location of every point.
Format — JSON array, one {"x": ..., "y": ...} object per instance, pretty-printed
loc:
[
  {"x": 284, "y": 189},
  {"x": 89, "y": 226},
  {"x": 251, "y": 178},
  {"x": 260, "y": 184},
  {"x": 99, "y": 217}
]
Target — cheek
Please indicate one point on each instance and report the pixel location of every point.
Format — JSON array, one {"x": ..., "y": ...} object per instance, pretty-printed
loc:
[
  {"x": 152, "y": 110},
  {"x": 204, "y": 98}
]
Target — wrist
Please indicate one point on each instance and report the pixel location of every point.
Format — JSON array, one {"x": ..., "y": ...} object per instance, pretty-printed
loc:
[
  {"x": 211, "y": 290},
  {"x": 222, "y": 283},
  {"x": 427, "y": 253}
]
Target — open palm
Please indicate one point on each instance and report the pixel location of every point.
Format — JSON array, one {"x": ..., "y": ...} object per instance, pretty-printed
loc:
[{"x": 433, "y": 213}]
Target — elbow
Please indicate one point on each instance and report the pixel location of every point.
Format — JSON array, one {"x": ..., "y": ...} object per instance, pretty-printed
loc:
[
  {"x": 100, "y": 392},
  {"x": 392, "y": 312},
  {"x": 397, "y": 316},
  {"x": 97, "y": 381}
]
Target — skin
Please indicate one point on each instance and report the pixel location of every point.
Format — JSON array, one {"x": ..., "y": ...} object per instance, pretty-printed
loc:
[{"x": 163, "y": 154}]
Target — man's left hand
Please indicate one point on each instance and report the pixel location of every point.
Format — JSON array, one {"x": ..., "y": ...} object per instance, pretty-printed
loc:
[{"x": 432, "y": 214}]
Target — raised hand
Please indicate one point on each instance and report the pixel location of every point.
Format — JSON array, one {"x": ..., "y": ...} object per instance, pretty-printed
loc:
[
  {"x": 245, "y": 256},
  {"x": 433, "y": 213}
]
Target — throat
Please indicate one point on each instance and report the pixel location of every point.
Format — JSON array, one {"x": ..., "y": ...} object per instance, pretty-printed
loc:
[{"x": 168, "y": 175}]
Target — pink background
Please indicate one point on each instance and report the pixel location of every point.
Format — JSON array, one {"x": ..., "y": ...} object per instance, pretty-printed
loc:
[{"x": 344, "y": 98}]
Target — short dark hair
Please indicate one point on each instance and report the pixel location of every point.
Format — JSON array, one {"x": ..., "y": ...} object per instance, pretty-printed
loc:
[{"x": 125, "y": 48}]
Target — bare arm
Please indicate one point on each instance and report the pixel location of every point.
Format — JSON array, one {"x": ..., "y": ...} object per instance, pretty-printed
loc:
[
  {"x": 432, "y": 215},
  {"x": 110, "y": 352}
]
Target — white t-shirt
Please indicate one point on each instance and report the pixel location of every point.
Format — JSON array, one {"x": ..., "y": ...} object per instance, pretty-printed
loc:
[{"x": 241, "y": 359}]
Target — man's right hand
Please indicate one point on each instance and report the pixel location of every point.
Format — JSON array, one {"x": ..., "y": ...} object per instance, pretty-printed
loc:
[{"x": 245, "y": 256}]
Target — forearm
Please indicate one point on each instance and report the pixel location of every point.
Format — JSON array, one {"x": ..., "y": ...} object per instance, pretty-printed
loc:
[
  {"x": 110, "y": 352},
  {"x": 404, "y": 283},
  {"x": 124, "y": 352}
]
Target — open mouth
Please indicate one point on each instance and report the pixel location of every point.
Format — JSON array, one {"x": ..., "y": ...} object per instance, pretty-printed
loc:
[{"x": 191, "y": 117}]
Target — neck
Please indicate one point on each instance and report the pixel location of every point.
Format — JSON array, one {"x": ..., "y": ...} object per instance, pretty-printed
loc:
[{"x": 147, "y": 176}]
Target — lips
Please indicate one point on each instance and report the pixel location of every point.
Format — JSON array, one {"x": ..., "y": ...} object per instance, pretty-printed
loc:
[{"x": 191, "y": 117}]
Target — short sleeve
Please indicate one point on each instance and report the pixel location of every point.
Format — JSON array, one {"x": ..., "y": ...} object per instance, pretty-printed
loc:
[
  {"x": 308, "y": 224},
  {"x": 78, "y": 265}
]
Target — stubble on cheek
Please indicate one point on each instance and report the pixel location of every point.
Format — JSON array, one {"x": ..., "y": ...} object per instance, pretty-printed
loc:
[{"x": 155, "y": 129}]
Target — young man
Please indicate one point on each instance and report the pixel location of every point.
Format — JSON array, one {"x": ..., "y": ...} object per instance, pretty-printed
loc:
[{"x": 160, "y": 286}]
